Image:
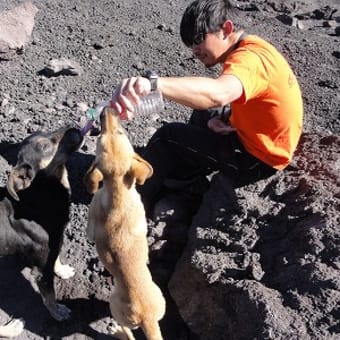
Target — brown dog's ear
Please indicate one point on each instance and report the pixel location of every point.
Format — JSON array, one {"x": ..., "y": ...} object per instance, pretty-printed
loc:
[
  {"x": 20, "y": 178},
  {"x": 140, "y": 169},
  {"x": 92, "y": 178}
]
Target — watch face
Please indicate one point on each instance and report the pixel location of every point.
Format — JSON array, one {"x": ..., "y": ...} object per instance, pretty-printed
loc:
[{"x": 151, "y": 74}]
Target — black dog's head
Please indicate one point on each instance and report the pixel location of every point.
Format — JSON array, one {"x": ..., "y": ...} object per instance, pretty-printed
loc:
[{"x": 46, "y": 152}]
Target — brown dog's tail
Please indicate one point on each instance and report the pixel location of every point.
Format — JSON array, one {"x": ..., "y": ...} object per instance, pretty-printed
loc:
[
  {"x": 152, "y": 330},
  {"x": 128, "y": 333}
]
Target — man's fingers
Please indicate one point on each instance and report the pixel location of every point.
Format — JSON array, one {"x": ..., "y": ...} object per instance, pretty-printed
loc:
[
  {"x": 125, "y": 98},
  {"x": 125, "y": 103},
  {"x": 217, "y": 125},
  {"x": 129, "y": 91},
  {"x": 126, "y": 115},
  {"x": 116, "y": 107},
  {"x": 142, "y": 86},
  {"x": 127, "y": 95},
  {"x": 226, "y": 130}
]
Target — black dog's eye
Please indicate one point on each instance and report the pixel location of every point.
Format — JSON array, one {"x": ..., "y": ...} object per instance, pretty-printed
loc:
[
  {"x": 20, "y": 159},
  {"x": 54, "y": 140}
]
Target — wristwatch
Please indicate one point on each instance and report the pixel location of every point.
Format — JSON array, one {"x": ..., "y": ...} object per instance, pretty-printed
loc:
[{"x": 153, "y": 78}]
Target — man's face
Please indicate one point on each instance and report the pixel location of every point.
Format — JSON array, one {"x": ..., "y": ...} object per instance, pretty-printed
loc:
[{"x": 210, "y": 48}]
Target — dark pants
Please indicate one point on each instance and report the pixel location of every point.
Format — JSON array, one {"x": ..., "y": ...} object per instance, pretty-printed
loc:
[{"x": 183, "y": 151}]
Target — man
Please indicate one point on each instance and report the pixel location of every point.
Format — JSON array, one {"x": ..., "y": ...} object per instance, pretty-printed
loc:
[{"x": 254, "y": 140}]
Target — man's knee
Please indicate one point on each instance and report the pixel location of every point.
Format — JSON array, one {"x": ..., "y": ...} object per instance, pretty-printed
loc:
[{"x": 166, "y": 132}]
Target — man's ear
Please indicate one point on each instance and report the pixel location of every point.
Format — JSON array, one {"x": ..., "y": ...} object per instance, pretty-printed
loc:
[
  {"x": 228, "y": 27},
  {"x": 92, "y": 178},
  {"x": 20, "y": 178},
  {"x": 140, "y": 169}
]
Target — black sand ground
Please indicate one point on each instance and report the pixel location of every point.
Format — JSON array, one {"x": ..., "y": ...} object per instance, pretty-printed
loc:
[{"x": 111, "y": 40}]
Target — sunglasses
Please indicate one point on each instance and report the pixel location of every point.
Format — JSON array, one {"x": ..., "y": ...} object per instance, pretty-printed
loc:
[{"x": 198, "y": 38}]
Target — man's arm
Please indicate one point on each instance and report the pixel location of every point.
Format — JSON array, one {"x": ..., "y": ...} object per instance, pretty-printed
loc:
[
  {"x": 201, "y": 92},
  {"x": 195, "y": 92}
]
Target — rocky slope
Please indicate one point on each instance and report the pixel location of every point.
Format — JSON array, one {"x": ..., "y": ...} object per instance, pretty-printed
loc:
[{"x": 260, "y": 262}]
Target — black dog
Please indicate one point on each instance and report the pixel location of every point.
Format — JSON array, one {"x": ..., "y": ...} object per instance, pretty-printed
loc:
[{"x": 34, "y": 211}]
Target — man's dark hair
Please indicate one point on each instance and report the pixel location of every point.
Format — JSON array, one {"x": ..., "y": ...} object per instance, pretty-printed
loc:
[{"x": 203, "y": 16}]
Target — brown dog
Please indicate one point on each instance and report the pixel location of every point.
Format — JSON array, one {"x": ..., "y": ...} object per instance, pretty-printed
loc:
[{"x": 117, "y": 224}]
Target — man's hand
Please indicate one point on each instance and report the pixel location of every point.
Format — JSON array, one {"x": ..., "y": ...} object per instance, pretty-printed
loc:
[
  {"x": 217, "y": 125},
  {"x": 127, "y": 95}
]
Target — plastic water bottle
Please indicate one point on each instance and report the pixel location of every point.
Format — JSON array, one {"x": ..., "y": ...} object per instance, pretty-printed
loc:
[{"x": 152, "y": 103}]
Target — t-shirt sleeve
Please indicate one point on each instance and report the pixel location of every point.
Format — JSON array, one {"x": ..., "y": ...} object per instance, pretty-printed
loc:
[{"x": 248, "y": 68}]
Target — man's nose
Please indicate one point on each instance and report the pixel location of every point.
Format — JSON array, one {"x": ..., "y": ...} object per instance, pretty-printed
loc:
[{"x": 195, "y": 49}]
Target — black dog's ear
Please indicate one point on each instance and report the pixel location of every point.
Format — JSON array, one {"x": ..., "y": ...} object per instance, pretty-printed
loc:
[{"x": 20, "y": 178}]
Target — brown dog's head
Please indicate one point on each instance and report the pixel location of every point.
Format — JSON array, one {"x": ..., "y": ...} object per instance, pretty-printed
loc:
[
  {"x": 115, "y": 156},
  {"x": 43, "y": 152}
]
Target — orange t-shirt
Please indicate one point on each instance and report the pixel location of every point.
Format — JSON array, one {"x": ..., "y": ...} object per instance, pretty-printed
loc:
[{"x": 268, "y": 115}]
